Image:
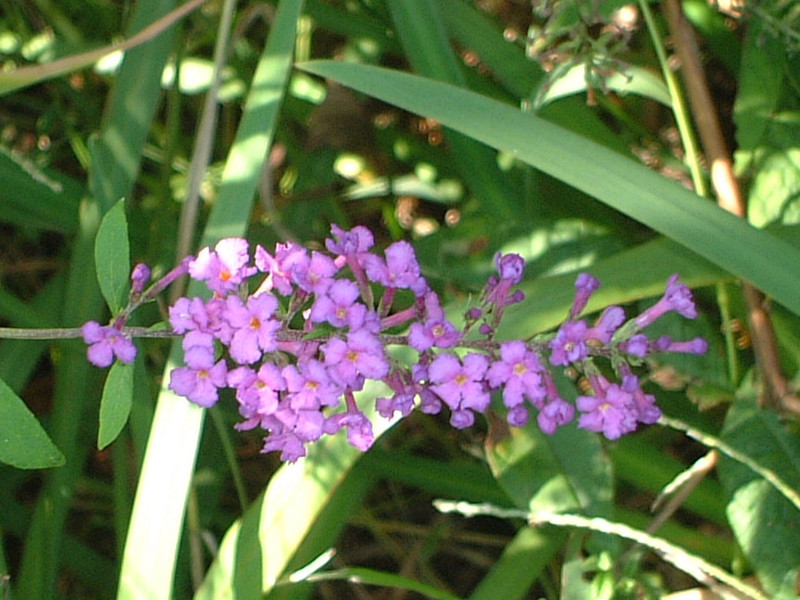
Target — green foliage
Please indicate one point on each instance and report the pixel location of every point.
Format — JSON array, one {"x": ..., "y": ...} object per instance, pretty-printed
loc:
[{"x": 468, "y": 128}]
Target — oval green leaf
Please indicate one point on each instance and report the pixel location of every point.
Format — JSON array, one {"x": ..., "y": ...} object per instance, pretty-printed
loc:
[
  {"x": 116, "y": 403},
  {"x": 112, "y": 257}
]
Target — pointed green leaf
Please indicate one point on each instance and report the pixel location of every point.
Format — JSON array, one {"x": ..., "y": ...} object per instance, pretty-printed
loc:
[
  {"x": 116, "y": 403},
  {"x": 112, "y": 257},
  {"x": 23, "y": 442}
]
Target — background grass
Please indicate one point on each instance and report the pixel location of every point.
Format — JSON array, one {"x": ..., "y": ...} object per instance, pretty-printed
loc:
[{"x": 467, "y": 128}]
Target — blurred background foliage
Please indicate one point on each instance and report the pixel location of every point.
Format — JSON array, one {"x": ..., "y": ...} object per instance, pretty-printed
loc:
[{"x": 343, "y": 157}]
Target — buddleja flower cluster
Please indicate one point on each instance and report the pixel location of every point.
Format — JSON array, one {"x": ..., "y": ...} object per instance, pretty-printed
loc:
[{"x": 315, "y": 329}]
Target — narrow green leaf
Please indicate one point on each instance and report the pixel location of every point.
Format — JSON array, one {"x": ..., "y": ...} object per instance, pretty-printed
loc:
[
  {"x": 383, "y": 579},
  {"x": 112, "y": 257},
  {"x": 116, "y": 403},
  {"x": 23, "y": 442},
  {"x": 612, "y": 178},
  {"x": 156, "y": 523},
  {"x": 57, "y": 197},
  {"x": 523, "y": 560}
]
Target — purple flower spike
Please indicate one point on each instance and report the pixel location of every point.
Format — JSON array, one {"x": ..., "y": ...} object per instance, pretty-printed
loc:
[
  {"x": 106, "y": 342},
  {"x": 678, "y": 297}
]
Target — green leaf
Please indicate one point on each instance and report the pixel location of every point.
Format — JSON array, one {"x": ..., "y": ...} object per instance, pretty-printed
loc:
[
  {"x": 766, "y": 524},
  {"x": 616, "y": 180},
  {"x": 112, "y": 257},
  {"x": 57, "y": 197},
  {"x": 23, "y": 442},
  {"x": 630, "y": 80},
  {"x": 116, "y": 403},
  {"x": 383, "y": 579}
]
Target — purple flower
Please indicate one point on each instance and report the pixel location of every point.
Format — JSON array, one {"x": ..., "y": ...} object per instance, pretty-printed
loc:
[
  {"x": 106, "y": 342},
  {"x": 339, "y": 306},
  {"x": 585, "y": 286},
  {"x": 188, "y": 315},
  {"x": 612, "y": 411},
  {"x": 461, "y": 385},
  {"x": 309, "y": 386},
  {"x": 554, "y": 414},
  {"x": 314, "y": 274},
  {"x": 510, "y": 266},
  {"x": 290, "y": 446},
  {"x": 359, "y": 428},
  {"x": 569, "y": 345},
  {"x": 224, "y": 268},
  {"x": 253, "y": 326},
  {"x": 400, "y": 269},
  {"x": 677, "y": 297},
  {"x": 280, "y": 267},
  {"x": 518, "y": 373},
  {"x": 695, "y": 346},
  {"x": 257, "y": 392},
  {"x": 200, "y": 379},
  {"x": 360, "y": 356},
  {"x": 356, "y": 241}
]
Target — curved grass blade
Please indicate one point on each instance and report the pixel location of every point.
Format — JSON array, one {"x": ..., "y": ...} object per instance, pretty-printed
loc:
[
  {"x": 153, "y": 537},
  {"x": 612, "y": 178}
]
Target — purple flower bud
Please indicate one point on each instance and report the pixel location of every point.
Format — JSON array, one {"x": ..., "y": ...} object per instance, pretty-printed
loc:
[
  {"x": 585, "y": 286},
  {"x": 140, "y": 277},
  {"x": 607, "y": 324},
  {"x": 637, "y": 345},
  {"x": 695, "y": 346},
  {"x": 677, "y": 297}
]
